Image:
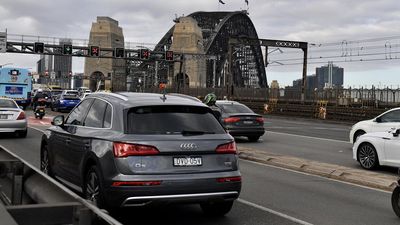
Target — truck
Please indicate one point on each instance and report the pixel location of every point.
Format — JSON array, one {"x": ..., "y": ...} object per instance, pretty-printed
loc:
[{"x": 16, "y": 83}]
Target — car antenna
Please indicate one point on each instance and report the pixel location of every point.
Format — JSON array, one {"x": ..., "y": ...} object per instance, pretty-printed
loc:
[{"x": 162, "y": 88}]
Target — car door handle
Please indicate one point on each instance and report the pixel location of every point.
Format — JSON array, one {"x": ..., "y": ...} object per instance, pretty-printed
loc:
[
  {"x": 386, "y": 138},
  {"x": 67, "y": 141}
]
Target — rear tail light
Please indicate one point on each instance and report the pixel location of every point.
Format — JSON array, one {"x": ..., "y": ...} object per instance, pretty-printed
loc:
[
  {"x": 229, "y": 148},
  {"x": 229, "y": 179},
  {"x": 125, "y": 149},
  {"x": 260, "y": 119},
  {"x": 21, "y": 116},
  {"x": 135, "y": 183},
  {"x": 232, "y": 120}
]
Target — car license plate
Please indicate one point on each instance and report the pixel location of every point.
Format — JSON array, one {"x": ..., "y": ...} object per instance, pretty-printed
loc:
[
  {"x": 3, "y": 117},
  {"x": 248, "y": 122},
  {"x": 188, "y": 161}
]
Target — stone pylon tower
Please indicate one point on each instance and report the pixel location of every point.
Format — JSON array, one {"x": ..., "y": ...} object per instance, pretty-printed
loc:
[
  {"x": 188, "y": 40},
  {"x": 110, "y": 73}
]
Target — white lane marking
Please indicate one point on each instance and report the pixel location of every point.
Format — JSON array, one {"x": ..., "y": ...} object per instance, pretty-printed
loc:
[
  {"x": 274, "y": 212},
  {"x": 313, "y": 175},
  {"x": 302, "y": 136},
  {"x": 37, "y": 129}
]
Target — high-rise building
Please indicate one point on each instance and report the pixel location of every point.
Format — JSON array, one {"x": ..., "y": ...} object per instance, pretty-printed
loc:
[
  {"x": 62, "y": 63},
  {"x": 329, "y": 76},
  {"x": 109, "y": 74}
]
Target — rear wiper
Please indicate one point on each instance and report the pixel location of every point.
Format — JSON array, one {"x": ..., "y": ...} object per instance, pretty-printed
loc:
[{"x": 194, "y": 132}]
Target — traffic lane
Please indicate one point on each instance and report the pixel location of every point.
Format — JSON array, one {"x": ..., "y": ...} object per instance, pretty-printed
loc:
[
  {"x": 171, "y": 214},
  {"x": 309, "y": 148},
  {"x": 322, "y": 150},
  {"x": 314, "y": 199},
  {"x": 308, "y": 127},
  {"x": 27, "y": 148},
  {"x": 241, "y": 214}
]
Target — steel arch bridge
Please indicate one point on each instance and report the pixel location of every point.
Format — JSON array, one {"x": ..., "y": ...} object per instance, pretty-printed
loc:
[{"x": 217, "y": 27}]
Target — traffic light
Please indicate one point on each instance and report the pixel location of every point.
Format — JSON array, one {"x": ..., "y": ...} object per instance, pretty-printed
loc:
[
  {"x": 67, "y": 49},
  {"x": 169, "y": 55},
  {"x": 94, "y": 51},
  {"x": 144, "y": 54},
  {"x": 38, "y": 47},
  {"x": 119, "y": 53}
]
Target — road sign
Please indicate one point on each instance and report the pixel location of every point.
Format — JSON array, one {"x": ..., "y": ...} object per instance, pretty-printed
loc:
[
  {"x": 3, "y": 42},
  {"x": 52, "y": 75}
]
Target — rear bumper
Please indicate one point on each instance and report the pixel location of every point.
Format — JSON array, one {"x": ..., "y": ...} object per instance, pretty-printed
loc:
[
  {"x": 246, "y": 131},
  {"x": 175, "y": 190},
  {"x": 12, "y": 126}
]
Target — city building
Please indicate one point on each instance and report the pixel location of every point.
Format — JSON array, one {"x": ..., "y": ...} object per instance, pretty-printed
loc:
[{"x": 329, "y": 76}]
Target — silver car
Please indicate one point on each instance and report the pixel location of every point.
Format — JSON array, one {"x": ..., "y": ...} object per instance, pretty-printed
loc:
[{"x": 12, "y": 118}]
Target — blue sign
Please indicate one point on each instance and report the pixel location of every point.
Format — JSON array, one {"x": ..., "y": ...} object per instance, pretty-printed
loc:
[{"x": 12, "y": 90}]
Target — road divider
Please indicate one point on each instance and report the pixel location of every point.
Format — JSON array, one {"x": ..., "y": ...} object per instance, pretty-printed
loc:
[{"x": 356, "y": 176}]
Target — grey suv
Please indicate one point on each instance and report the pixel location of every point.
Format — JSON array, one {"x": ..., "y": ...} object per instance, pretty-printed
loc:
[{"x": 134, "y": 149}]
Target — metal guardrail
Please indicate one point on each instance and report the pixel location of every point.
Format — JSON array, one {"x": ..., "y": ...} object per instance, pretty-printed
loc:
[{"x": 30, "y": 197}]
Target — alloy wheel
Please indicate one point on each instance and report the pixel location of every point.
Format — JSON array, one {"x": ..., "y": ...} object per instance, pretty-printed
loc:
[
  {"x": 367, "y": 156},
  {"x": 92, "y": 187}
]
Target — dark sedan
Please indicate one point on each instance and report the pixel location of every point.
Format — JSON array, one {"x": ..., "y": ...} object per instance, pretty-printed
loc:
[
  {"x": 65, "y": 102},
  {"x": 239, "y": 120},
  {"x": 134, "y": 149}
]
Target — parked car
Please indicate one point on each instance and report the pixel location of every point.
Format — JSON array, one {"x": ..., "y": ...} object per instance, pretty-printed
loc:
[
  {"x": 384, "y": 122},
  {"x": 133, "y": 149},
  {"x": 12, "y": 118},
  {"x": 65, "y": 102},
  {"x": 378, "y": 149},
  {"x": 240, "y": 120}
]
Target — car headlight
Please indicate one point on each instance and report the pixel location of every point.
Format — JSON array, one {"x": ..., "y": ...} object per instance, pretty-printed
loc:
[{"x": 61, "y": 101}]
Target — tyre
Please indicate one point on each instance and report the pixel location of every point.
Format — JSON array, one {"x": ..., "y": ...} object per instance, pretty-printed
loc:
[
  {"x": 357, "y": 135},
  {"x": 253, "y": 138},
  {"x": 216, "y": 208},
  {"x": 396, "y": 201},
  {"x": 92, "y": 187},
  {"x": 45, "y": 165},
  {"x": 23, "y": 134},
  {"x": 367, "y": 156},
  {"x": 41, "y": 117}
]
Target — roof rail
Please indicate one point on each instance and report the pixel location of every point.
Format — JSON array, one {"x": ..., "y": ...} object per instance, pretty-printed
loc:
[{"x": 113, "y": 94}]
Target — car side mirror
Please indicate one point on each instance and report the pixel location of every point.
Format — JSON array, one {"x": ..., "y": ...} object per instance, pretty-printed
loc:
[
  {"x": 58, "y": 120},
  {"x": 396, "y": 133},
  {"x": 378, "y": 120}
]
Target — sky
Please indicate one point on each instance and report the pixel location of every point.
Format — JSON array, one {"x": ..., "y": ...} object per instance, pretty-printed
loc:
[{"x": 362, "y": 36}]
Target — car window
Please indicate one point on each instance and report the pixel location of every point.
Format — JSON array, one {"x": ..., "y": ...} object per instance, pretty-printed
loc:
[
  {"x": 107, "y": 117},
  {"x": 70, "y": 97},
  {"x": 234, "y": 108},
  {"x": 393, "y": 116},
  {"x": 172, "y": 120},
  {"x": 95, "y": 115},
  {"x": 78, "y": 114},
  {"x": 5, "y": 103}
]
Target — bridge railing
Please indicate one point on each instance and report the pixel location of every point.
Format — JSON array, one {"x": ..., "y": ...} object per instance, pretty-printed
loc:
[{"x": 28, "y": 196}]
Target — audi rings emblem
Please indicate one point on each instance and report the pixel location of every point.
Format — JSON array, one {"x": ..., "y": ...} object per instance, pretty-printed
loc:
[{"x": 188, "y": 146}]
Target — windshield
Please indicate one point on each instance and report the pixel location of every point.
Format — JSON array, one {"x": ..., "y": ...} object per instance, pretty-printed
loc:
[
  {"x": 5, "y": 103},
  {"x": 186, "y": 120},
  {"x": 69, "y": 97}
]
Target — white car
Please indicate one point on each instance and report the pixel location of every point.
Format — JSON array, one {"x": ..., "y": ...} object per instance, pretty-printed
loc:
[
  {"x": 12, "y": 118},
  {"x": 378, "y": 149},
  {"x": 384, "y": 122}
]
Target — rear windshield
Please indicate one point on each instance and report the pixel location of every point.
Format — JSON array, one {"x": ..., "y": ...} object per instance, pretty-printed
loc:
[
  {"x": 5, "y": 103},
  {"x": 235, "y": 108},
  {"x": 172, "y": 120},
  {"x": 70, "y": 97}
]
